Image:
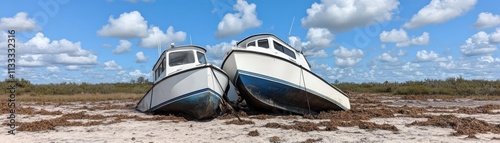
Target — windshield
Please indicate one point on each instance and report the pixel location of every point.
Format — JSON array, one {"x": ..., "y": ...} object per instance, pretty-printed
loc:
[{"x": 180, "y": 58}]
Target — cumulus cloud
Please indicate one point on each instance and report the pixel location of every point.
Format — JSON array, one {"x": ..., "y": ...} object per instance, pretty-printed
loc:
[
  {"x": 296, "y": 42},
  {"x": 111, "y": 66},
  {"x": 319, "y": 37},
  {"x": 487, "y": 20},
  {"x": 400, "y": 37},
  {"x": 317, "y": 40},
  {"x": 20, "y": 22},
  {"x": 439, "y": 11},
  {"x": 155, "y": 36},
  {"x": 72, "y": 67},
  {"x": 215, "y": 53},
  {"x": 341, "y": 16},
  {"x": 402, "y": 53},
  {"x": 138, "y": 73},
  {"x": 52, "y": 69},
  {"x": 140, "y": 57},
  {"x": 235, "y": 23},
  {"x": 124, "y": 47},
  {"x": 127, "y": 25},
  {"x": 385, "y": 57},
  {"x": 41, "y": 51},
  {"x": 315, "y": 53},
  {"x": 488, "y": 59},
  {"x": 478, "y": 44},
  {"x": 424, "y": 56},
  {"x": 415, "y": 41},
  {"x": 347, "y": 58},
  {"x": 495, "y": 36},
  {"x": 394, "y": 36}
]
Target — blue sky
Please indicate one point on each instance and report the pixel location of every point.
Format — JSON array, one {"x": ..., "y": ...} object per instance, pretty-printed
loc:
[{"x": 350, "y": 40}]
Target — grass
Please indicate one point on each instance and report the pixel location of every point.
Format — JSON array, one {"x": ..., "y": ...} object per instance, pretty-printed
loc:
[{"x": 75, "y": 98}]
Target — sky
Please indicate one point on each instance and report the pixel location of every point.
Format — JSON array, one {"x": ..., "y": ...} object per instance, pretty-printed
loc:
[{"x": 108, "y": 41}]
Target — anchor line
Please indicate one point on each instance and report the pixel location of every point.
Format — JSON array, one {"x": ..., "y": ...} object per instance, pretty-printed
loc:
[
  {"x": 224, "y": 102},
  {"x": 305, "y": 90}
]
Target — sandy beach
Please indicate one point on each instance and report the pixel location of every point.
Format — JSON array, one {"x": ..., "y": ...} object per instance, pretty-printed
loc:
[{"x": 373, "y": 118}]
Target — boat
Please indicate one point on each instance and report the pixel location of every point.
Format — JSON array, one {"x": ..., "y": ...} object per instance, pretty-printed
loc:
[
  {"x": 184, "y": 83},
  {"x": 271, "y": 76}
]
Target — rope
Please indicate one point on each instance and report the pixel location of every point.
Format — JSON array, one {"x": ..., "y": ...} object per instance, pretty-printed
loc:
[
  {"x": 305, "y": 89},
  {"x": 224, "y": 102}
]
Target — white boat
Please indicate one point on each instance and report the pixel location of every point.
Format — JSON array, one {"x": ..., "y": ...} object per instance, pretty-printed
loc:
[
  {"x": 270, "y": 75},
  {"x": 184, "y": 83}
]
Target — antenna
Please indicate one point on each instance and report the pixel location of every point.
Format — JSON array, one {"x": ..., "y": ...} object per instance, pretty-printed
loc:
[
  {"x": 291, "y": 26},
  {"x": 191, "y": 40}
]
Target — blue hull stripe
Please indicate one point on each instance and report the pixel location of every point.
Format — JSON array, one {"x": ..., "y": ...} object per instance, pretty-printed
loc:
[
  {"x": 289, "y": 84},
  {"x": 182, "y": 97}
]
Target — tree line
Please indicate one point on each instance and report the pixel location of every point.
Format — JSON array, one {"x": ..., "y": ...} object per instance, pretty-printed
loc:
[
  {"x": 449, "y": 86},
  {"x": 23, "y": 87}
]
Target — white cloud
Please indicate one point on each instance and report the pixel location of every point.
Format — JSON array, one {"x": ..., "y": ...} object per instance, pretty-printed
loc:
[
  {"x": 394, "y": 36},
  {"x": 315, "y": 53},
  {"x": 236, "y": 23},
  {"x": 155, "y": 35},
  {"x": 296, "y": 43},
  {"x": 40, "y": 51},
  {"x": 424, "y": 56},
  {"x": 140, "y": 58},
  {"x": 340, "y": 16},
  {"x": 20, "y": 22},
  {"x": 488, "y": 59},
  {"x": 410, "y": 66},
  {"x": 385, "y": 57},
  {"x": 400, "y": 37},
  {"x": 111, "y": 66},
  {"x": 106, "y": 45},
  {"x": 137, "y": 73},
  {"x": 52, "y": 69},
  {"x": 128, "y": 25},
  {"x": 402, "y": 53},
  {"x": 487, "y": 20},
  {"x": 72, "y": 67},
  {"x": 478, "y": 44},
  {"x": 347, "y": 58},
  {"x": 319, "y": 37},
  {"x": 495, "y": 36},
  {"x": 216, "y": 52},
  {"x": 439, "y": 11},
  {"x": 415, "y": 41},
  {"x": 124, "y": 47}
]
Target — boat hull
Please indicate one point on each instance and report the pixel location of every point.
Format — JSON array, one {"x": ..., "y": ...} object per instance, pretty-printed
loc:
[
  {"x": 195, "y": 93},
  {"x": 269, "y": 83}
]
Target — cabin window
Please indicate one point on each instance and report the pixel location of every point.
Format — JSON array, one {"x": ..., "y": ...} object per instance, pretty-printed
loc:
[
  {"x": 160, "y": 69},
  {"x": 201, "y": 58},
  {"x": 283, "y": 49},
  {"x": 263, "y": 43},
  {"x": 251, "y": 44},
  {"x": 180, "y": 58}
]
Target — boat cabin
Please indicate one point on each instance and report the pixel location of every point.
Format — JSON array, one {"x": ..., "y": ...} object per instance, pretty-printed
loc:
[
  {"x": 177, "y": 59},
  {"x": 270, "y": 44}
]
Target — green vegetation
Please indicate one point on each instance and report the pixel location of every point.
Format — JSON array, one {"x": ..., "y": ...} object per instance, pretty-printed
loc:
[
  {"x": 24, "y": 87},
  {"x": 450, "y": 86}
]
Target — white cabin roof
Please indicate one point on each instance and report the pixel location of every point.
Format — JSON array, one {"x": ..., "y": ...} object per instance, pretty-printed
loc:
[{"x": 179, "y": 48}]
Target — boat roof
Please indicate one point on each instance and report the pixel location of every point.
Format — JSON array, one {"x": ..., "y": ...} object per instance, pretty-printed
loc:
[
  {"x": 184, "y": 47},
  {"x": 263, "y": 35}
]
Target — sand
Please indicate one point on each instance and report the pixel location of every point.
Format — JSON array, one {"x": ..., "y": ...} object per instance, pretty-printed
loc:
[{"x": 98, "y": 122}]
